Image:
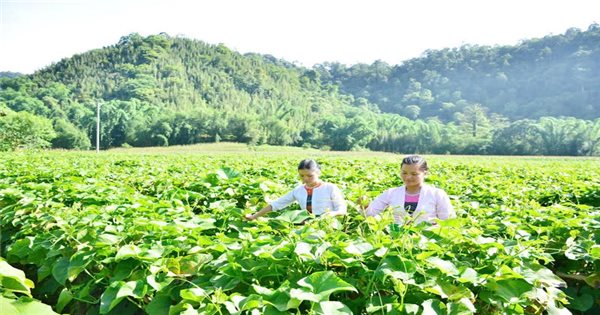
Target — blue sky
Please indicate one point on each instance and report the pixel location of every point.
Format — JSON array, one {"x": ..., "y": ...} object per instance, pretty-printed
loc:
[{"x": 36, "y": 33}]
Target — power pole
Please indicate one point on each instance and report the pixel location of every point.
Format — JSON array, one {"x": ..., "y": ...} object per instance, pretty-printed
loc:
[{"x": 98, "y": 127}]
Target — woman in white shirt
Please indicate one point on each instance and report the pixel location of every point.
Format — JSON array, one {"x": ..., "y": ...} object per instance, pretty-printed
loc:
[
  {"x": 415, "y": 200},
  {"x": 313, "y": 195}
]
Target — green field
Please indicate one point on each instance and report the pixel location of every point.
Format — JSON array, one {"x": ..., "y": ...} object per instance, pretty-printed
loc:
[{"x": 160, "y": 231}]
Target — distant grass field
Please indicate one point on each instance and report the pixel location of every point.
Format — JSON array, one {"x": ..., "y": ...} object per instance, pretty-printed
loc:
[{"x": 233, "y": 147}]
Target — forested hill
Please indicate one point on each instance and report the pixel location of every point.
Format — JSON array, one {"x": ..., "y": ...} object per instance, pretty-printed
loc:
[
  {"x": 550, "y": 76},
  {"x": 161, "y": 90}
]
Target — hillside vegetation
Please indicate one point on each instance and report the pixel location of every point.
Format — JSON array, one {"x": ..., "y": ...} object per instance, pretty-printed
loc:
[{"x": 538, "y": 97}]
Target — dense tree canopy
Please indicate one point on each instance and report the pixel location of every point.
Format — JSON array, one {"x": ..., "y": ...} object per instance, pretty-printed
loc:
[
  {"x": 22, "y": 129},
  {"x": 552, "y": 76}
]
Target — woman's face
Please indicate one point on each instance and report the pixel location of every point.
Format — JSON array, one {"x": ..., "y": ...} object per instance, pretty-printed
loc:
[
  {"x": 309, "y": 177},
  {"x": 412, "y": 175}
]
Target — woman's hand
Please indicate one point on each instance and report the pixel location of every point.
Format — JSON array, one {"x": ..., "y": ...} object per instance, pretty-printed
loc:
[{"x": 249, "y": 217}]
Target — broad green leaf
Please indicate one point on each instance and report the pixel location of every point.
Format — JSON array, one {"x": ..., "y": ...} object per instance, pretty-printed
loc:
[
  {"x": 576, "y": 252},
  {"x": 398, "y": 268},
  {"x": 469, "y": 275},
  {"x": 323, "y": 283},
  {"x": 200, "y": 224},
  {"x": 43, "y": 272},
  {"x": 225, "y": 282},
  {"x": 21, "y": 248},
  {"x": 230, "y": 173},
  {"x": 124, "y": 269},
  {"x": 136, "y": 289},
  {"x": 510, "y": 290},
  {"x": 411, "y": 308},
  {"x": 159, "y": 306},
  {"x": 332, "y": 308},
  {"x": 303, "y": 295},
  {"x": 358, "y": 248},
  {"x": 188, "y": 309},
  {"x": 262, "y": 290},
  {"x": 462, "y": 307},
  {"x": 193, "y": 294},
  {"x": 294, "y": 216},
  {"x": 77, "y": 264},
  {"x": 433, "y": 307},
  {"x": 447, "y": 267},
  {"x": 215, "y": 178},
  {"x": 543, "y": 275},
  {"x": 595, "y": 252},
  {"x": 156, "y": 284},
  {"x": 6, "y": 306},
  {"x": 117, "y": 291},
  {"x": 449, "y": 291},
  {"x": 578, "y": 301},
  {"x": 107, "y": 239},
  {"x": 381, "y": 252},
  {"x": 128, "y": 251},
  {"x": 553, "y": 310},
  {"x": 153, "y": 253},
  {"x": 282, "y": 300},
  {"x": 13, "y": 279},
  {"x": 109, "y": 299},
  {"x": 64, "y": 299},
  {"x": 593, "y": 280},
  {"x": 60, "y": 271},
  {"x": 191, "y": 264},
  {"x": 506, "y": 272},
  {"x": 251, "y": 302},
  {"x": 24, "y": 306},
  {"x": 385, "y": 307},
  {"x": 303, "y": 250}
]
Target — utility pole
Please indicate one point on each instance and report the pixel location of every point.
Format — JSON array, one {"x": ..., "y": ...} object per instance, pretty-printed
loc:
[{"x": 98, "y": 127}]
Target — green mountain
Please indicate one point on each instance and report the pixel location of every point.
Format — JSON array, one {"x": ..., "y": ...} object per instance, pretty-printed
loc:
[
  {"x": 161, "y": 90},
  {"x": 550, "y": 76}
]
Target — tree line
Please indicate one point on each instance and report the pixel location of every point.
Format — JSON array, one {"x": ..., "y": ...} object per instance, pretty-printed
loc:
[{"x": 161, "y": 90}]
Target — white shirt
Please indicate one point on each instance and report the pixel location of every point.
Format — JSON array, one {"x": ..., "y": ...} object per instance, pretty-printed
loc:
[
  {"x": 433, "y": 203},
  {"x": 326, "y": 198}
]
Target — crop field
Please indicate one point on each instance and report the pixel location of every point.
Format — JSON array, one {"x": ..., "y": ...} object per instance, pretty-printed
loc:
[{"x": 141, "y": 233}]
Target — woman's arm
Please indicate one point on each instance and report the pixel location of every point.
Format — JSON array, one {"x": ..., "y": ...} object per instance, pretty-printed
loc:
[
  {"x": 379, "y": 204},
  {"x": 444, "y": 209},
  {"x": 259, "y": 214},
  {"x": 278, "y": 204},
  {"x": 339, "y": 203}
]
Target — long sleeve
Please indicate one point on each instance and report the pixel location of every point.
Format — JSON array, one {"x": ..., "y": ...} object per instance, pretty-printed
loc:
[
  {"x": 444, "y": 209},
  {"x": 283, "y": 201},
  {"x": 379, "y": 204},
  {"x": 338, "y": 201}
]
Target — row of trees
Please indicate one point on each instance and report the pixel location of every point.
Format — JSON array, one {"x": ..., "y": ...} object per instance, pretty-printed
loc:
[{"x": 387, "y": 132}]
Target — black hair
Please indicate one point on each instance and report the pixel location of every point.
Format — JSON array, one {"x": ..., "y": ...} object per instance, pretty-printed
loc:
[
  {"x": 416, "y": 159},
  {"x": 309, "y": 164}
]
